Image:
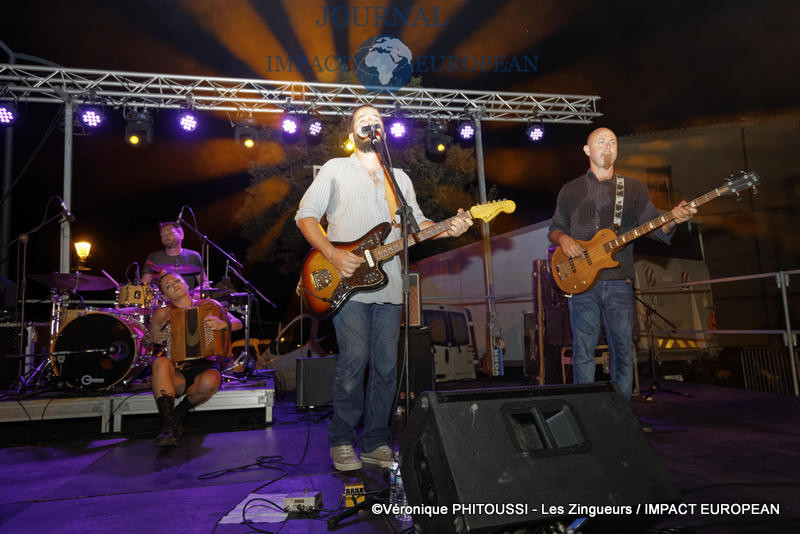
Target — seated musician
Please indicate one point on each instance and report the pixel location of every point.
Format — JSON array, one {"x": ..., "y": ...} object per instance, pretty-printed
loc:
[{"x": 199, "y": 378}]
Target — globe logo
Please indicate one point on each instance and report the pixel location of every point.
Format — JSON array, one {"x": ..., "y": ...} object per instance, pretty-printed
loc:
[{"x": 383, "y": 63}]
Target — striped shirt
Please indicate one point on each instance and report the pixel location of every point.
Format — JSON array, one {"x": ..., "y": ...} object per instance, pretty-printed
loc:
[
  {"x": 586, "y": 204},
  {"x": 344, "y": 191}
]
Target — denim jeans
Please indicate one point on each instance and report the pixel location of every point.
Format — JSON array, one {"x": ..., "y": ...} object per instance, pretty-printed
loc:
[
  {"x": 366, "y": 334},
  {"x": 611, "y": 300}
]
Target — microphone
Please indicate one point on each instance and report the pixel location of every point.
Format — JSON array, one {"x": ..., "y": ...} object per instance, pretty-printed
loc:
[
  {"x": 67, "y": 214},
  {"x": 180, "y": 214},
  {"x": 370, "y": 129}
]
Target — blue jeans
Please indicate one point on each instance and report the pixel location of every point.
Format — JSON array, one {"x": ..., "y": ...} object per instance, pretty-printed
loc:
[
  {"x": 365, "y": 333},
  {"x": 613, "y": 301}
]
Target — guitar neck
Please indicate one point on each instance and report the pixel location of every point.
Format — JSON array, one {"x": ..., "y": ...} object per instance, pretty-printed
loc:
[
  {"x": 390, "y": 249},
  {"x": 658, "y": 222}
]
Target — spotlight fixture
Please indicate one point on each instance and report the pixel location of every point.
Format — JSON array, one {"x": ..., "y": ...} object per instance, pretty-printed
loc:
[
  {"x": 8, "y": 113},
  {"x": 82, "y": 249},
  {"x": 314, "y": 127},
  {"x": 246, "y": 134},
  {"x": 91, "y": 115},
  {"x": 398, "y": 128},
  {"x": 187, "y": 120},
  {"x": 436, "y": 140},
  {"x": 535, "y": 131},
  {"x": 139, "y": 128},
  {"x": 466, "y": 130},
  {"x": 290, "y": 126},
  {"x": 348, "y": 145}
]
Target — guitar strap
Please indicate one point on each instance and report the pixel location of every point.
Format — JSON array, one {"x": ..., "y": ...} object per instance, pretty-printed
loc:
[
  {"x": 618, "y": 203},
  {"x": 391, "y": 196}
]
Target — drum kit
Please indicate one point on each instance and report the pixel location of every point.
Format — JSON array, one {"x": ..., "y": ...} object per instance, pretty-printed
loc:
[{"x": 97, "y": 349}]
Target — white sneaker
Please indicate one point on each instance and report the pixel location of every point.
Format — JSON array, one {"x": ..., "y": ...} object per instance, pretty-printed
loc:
[
  {"x": 381, "y": 456},
  {"x": 345, "y": 458}
]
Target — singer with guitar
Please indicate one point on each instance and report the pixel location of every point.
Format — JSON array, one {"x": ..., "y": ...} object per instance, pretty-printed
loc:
[
  {"x": 356, "y": 196},
  {"x": 596, "y": 200}
]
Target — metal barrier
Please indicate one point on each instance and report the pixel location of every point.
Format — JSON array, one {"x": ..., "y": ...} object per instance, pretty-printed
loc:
[{"x": 773, "y": 369}]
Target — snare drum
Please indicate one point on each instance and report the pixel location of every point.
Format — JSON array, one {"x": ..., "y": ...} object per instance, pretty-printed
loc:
[
  {"x": 97, "y": 350},
  {"x": 137, "y": 296}
]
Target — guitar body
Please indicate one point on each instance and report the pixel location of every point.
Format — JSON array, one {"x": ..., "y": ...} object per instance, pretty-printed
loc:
[
  {"x": 323, "y": 288},
  {"x": 573, "y": 276}
]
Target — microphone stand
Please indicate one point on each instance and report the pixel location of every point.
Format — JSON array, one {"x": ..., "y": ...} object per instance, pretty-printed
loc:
[
  {"x": 407, "y": 220},
  {"x": 655, "y": 387},
  {"x": 250, "y": 290},
  {"x": 22, "y": 282}
]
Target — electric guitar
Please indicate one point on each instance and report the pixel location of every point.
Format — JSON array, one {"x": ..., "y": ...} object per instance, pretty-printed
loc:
[
  {"x": 579, "y": 274},
  {"x": 325, "y": 290}
]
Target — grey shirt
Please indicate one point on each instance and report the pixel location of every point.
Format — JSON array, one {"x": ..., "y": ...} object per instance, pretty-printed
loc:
[
  {"x": 186, "y": 257},
  {"x": 586, "y": 204},
  {"x": 344, "y": 191}
]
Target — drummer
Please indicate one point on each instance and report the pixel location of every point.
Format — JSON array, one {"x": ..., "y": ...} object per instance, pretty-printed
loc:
[
  {"x": 174, "y": 254},
  {"x": 199, "y": 378}
]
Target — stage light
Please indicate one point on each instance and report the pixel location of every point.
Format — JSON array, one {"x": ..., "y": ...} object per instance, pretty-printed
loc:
[
  {"x": 535, "y": 131},
  {"x": 398, "y": 128},
  {"x": 91, "y": 116},
  {"x": 246, "y": 134},
  {"x": 139, "y": 128},
  {"x": 436, "y": 140},
  {"x": 8, "y": 113},
  {"x": 466, "y": 130},
  {"x": 82, "y": 249},
  {"x": 290, "y": 126},
  {"x": 187, "y": 120},
  {"x": 348, "y": 145},
  {"x": 314, "y": 128}
]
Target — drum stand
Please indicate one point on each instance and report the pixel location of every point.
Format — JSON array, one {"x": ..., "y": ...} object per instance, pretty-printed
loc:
[{"x": 34, "y": 376}]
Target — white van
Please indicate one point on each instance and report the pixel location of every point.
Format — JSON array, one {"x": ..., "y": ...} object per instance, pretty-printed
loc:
[{"x": 453, "y": 339}]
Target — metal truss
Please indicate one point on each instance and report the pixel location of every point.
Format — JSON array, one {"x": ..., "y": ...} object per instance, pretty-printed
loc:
[{"x": 46, "y": 84}]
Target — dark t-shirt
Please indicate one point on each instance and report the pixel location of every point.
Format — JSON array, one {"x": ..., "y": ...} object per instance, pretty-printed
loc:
[
  {"x": 186, "y": 257},
  {"x": 586, "y": 204}
]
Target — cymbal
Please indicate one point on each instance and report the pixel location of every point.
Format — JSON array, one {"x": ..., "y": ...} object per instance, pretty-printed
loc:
[
  {"x": 211, "y": 292},
  {"x": 181, "y": 268},
  {"x": 133, "y": 310},
  {"x": 76, "y": 281}
]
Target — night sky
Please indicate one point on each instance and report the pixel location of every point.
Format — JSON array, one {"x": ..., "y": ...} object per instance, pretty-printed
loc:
[{"x": 656, "y": 65}]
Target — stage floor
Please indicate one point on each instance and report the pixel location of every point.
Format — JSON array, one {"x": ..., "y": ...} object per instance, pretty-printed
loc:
[{"x": 720, "y": 446}]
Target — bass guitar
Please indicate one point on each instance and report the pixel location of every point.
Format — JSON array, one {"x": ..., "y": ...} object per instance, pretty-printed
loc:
[
  {"x": 579, "y": 274},
  {"x": 325, "y": 290}
]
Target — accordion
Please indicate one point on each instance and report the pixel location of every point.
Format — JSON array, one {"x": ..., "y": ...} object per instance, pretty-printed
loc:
[{"x": 188, "y": 336}]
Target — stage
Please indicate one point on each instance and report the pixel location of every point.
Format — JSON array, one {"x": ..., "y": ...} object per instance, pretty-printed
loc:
[{"x": 721, "y": 446}]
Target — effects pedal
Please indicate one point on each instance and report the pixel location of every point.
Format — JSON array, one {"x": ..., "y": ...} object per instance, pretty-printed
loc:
[
  {"x": 354, "y": 494},
  {"x": 303, "y": 502}
]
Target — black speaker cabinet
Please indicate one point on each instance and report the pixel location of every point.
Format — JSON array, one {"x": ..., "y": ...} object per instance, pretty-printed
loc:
[
  {"x": 537, "y": 455},
  {"x": 315, "y": 381},
  {"x": 420, "y": 362}
]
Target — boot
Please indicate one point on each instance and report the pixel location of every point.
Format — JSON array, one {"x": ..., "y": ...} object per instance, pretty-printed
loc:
[
  {"x": 181, "y": 410},
  {"x": 168, "y": 436}
]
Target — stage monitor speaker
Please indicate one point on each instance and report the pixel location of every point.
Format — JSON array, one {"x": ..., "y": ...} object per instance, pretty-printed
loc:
[
  {"x": 534, "y": 454},
  {"x": 420, "y": 361},
  {"x": 415, "y": 302},
  {"x": 315, "y": 381}
]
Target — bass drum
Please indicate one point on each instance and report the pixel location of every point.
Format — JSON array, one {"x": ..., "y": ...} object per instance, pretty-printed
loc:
[{"x": 97, "y": 350}]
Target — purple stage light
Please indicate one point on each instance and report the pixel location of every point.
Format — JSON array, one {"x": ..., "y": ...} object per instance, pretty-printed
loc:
[
  {"x": 535, "y": 132},
  {"x": 397, "y": 128},
  {"x": 314, "y": 127},
  {"x": 187, "y": 121},
  {"x": 289, "y": 125},
  {"x": 466, "y": 130},
  {"x": 91, "y": 116},
  {"x": 8, "y": 113}
]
